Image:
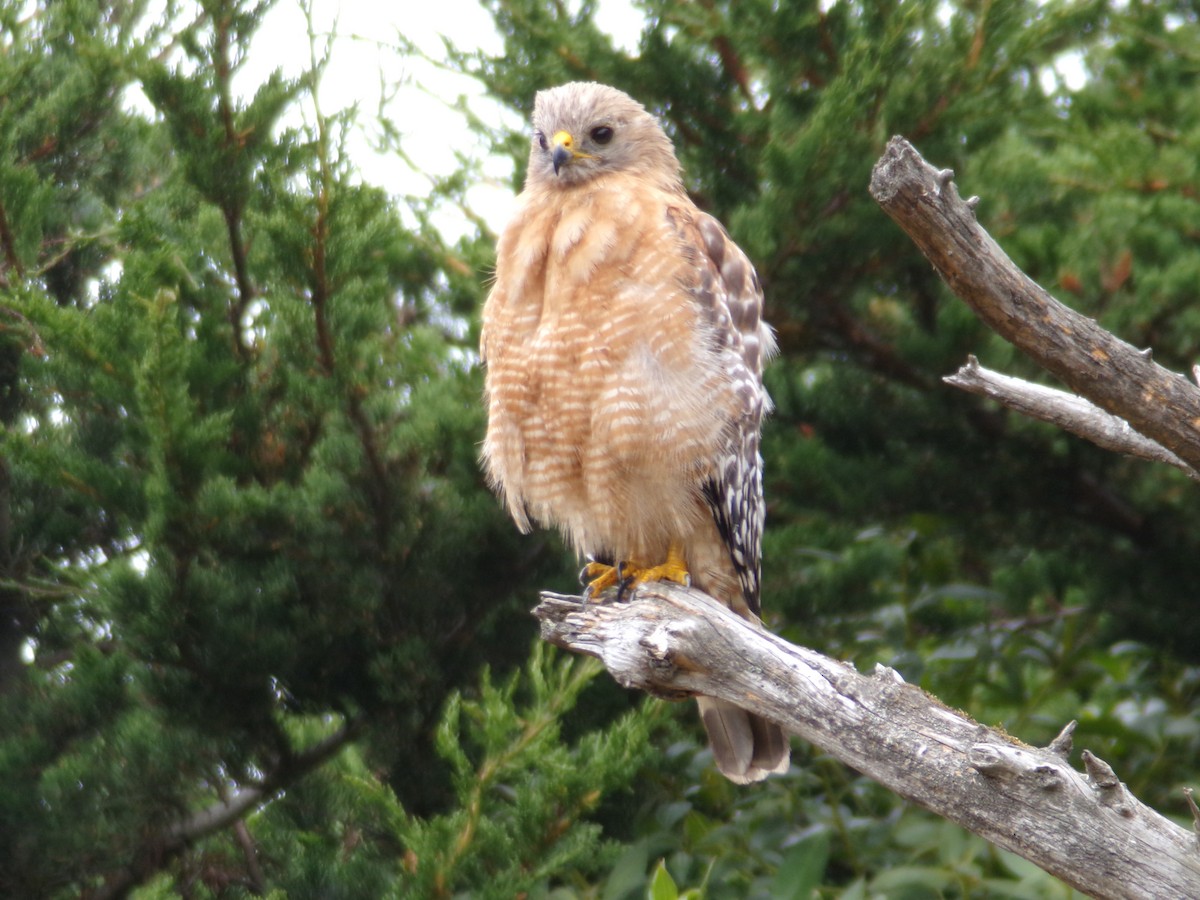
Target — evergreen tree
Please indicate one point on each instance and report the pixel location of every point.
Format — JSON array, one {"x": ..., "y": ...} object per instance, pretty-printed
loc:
[
  {"x": 252, "y": 584},
  {"x": 998, "y": 562},
  {"x": 243, "y": 521}
]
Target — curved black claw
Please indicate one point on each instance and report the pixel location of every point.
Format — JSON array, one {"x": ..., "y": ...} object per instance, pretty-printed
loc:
[
  {"x": 598, "y": 571},
  {"x": 624, "y": 582},
  {"x": 599, "y": 575},
  {"x": 586, "y": 574}
]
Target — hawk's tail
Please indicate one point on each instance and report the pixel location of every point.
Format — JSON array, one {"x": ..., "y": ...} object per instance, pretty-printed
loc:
[{"x": 745, "y": 747}]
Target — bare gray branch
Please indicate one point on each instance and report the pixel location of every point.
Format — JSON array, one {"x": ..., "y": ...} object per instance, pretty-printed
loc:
[
  {"x": 1120, "y": 379},
  {"x": 1067, "y": 411},
  {"x": 1087, "y": 830}
]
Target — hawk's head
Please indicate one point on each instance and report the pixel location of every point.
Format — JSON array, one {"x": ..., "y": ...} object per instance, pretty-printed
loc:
[{"x": 583, "y": 129}]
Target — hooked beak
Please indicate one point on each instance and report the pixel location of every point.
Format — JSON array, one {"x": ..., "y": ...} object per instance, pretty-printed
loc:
[{"x": 563, "y": 150}]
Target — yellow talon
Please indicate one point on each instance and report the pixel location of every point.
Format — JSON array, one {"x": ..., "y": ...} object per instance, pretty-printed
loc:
[
  {"x": 598, "y": 577},
  {"x": 625, "y": 576},
  {"x": 674, "y": 569}
]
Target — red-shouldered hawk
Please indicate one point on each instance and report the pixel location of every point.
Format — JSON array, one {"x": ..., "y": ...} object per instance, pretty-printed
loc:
[{"x": 624, "y": 344}]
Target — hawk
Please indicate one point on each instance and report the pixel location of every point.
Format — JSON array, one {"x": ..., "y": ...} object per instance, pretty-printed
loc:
[{"x": 623, "y": 342}]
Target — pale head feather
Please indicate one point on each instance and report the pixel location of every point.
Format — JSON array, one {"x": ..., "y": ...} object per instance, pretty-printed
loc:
[{"x": 638, "y": 146}]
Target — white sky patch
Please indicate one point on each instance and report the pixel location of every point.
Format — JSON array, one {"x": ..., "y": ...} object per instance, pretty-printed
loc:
[
  {"x": 623, "y": 21},
  {"x": 1068, "y": 71},
  {"x": 365, "y": 63}
]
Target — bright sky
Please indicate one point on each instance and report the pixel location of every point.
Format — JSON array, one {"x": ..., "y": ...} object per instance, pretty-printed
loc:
[{"x": 365, "y": 58}]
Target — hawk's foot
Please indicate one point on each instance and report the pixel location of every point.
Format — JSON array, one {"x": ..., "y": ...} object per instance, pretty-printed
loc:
[
  {"x": 625, "y": 576},
  {"x": 674, "y": 569},
  {"x": 599, "y": 577}
]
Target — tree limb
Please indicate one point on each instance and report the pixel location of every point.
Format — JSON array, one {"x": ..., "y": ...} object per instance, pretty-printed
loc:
[
  {"x": 1086, "y": 829},
  {"x": 1093, "y": 363},
  {"x": 1067, "y": 411},
  {"x": 160, "y": 849}
]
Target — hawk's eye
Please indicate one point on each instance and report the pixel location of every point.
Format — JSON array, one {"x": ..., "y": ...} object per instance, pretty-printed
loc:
[
  {"x": 541, "y": 139},
  {"x": 602, "y": 134}
]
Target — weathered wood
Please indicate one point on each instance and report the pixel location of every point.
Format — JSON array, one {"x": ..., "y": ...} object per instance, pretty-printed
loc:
[
  {"x": 1126, "y": 382},
  {"x": 1086, "y": 829},
  {"x": 1067, "y": 411}
]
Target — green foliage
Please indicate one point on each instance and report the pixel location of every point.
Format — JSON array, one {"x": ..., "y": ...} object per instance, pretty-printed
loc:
[
  {"x": 1012, "y": 571},
  {"x": 521, "y": 794},
  {"x": 239, "y": 452},
  {"x": 244, "y": 541}
]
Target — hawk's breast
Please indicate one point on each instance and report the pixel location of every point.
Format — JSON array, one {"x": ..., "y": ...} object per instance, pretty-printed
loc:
[{"x": 606, "y": 398}]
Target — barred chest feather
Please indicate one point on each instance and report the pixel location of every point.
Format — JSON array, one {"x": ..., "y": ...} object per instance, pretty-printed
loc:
[{"x": 608, "y": 388}]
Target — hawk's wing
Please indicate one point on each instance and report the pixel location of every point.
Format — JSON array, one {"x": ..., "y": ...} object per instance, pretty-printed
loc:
[{"x": 727, "y": 289}]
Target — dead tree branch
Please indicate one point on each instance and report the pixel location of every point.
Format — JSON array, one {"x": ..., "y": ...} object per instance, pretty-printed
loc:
[
  {"x": 1086, "y": 829},
  {"x": 1120, "y": 379},
  {"x": 1067, "y": 411},
  {"x": 230, "y": 809}
]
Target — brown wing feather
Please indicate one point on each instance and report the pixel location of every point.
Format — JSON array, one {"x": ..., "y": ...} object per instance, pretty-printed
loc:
[{"x": 727, "y": 289}]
